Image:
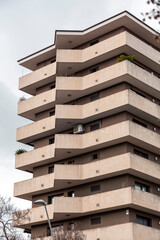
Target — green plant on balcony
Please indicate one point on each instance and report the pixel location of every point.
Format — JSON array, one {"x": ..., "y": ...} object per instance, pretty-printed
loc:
[
  {"x": 124, "y": 57},
  {"x": 22, "y": 99},
  {"x": 19, "y": 151}
]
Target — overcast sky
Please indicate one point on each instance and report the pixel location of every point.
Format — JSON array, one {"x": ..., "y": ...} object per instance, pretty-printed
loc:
[{"x": 27, "y": 26}]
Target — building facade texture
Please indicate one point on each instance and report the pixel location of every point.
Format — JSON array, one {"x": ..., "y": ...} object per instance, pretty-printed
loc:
[{"x": 95, "y": 132}]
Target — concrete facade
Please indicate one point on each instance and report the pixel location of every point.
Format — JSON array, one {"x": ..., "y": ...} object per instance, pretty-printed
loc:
[{"x": 95, "y": 133}]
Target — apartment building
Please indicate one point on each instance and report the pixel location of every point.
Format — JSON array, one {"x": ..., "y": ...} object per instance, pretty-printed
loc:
[{"x": 95, "y": 132}]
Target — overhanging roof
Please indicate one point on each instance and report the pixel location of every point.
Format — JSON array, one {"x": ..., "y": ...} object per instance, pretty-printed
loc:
[{"x": 68, "y": 39}]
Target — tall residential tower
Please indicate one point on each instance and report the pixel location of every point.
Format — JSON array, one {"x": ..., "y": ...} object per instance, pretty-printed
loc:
[{"x": 95, "y": 132}]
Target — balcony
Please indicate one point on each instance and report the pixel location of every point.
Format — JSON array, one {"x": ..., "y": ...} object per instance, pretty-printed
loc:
[
  {"x": 78, "y": 174},
  {"x": 68, "y": 145},
  {"x": 29, "y": 82},
  {"x": 35, "y": 158},
  {"x": 70, "y": 88},
  {"x": 127, "y": 131},
  {"x": 126, "y": 100},
  {"x": 36, "y": 130},
  {"x": 70, "y": 61},
  {"x": 125, "y": 231},
  {"x": 82, "y": 206},
  {"x": 67, "y": 116},
  {"x": 41, "y": 102}
]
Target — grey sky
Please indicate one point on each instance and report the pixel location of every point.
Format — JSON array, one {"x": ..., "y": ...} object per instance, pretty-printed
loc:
[{"x": 25, "y": 27}]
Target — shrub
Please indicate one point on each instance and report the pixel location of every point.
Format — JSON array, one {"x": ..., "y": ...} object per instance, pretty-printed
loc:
[
  {"x": 123, "y": 57},
  {"x": 19, "y": 151}
]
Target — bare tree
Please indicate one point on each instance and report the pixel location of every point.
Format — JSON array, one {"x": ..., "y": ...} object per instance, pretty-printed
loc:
[
  {"x": 66, "y": 232},
  {"x": 69, "y": 232},
  {"x": 7, "y": 231},
  {"x": 154, "y": 13}
]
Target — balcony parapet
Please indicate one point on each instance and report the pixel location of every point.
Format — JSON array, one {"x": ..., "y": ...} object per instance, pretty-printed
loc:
[
  {"x": 29, "y": 82},
  {"x": 78, "y": 174},
  {"x": 122, "y": 231},
  {"x": 68, "y": 145},
  {"x": 113, "y": 46},
  {"x": 93, "y": 204}
]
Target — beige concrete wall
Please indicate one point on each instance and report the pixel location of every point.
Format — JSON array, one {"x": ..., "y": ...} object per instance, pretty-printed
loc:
[
  {"x": 107, "y": 201},
  {"x": 29, "y": 107},
  {"x": 34, "y": 185},
  {"x": 119, "y": 72},
  {"x": 126, "y": 231},
  {"x": 32, "y": 157},
  {"x": 33, "y": 80},
  {"x": 78, "y": 174},
  {"x": 108, "y": 105},
  {"x": 104, "y": 137},
  {"x": 36, "y": 130},
  {"x": 122, "y": 42}
]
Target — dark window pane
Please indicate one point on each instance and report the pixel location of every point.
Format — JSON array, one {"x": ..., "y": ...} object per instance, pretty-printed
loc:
[
  {"x": 141, "y": 154},
  {"x": 139, "y": 93},
  {"x": 53, "y": 85},
  {"x": 143, "y": 220},
  {"x": 71, "y": 194},
  {"x": 71, "y": 162},
  {"x": 94, "y": 127},
  {"x": 139, "y": 123},
  {"x": 142, "y": 187},
  {"x": 51, "y": 140},
  {"x": 94, "y": 69},
  {"x": 52, "y": 113},
  {"x": 95, "y": 188},
  {"x": 94, "y": 42},
  {"x": 96, "y": 220},
  {"x": 94, "y": 97},
  {"x": 51, "y": 169},
  {"x": 51, "y": 198},
  {"x": 95, "y": 156}
]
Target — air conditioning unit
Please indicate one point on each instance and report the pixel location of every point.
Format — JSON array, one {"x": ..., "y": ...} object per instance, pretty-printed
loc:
[{"x": 78, "y": 129}]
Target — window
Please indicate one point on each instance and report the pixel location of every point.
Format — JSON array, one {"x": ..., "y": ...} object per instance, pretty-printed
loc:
[
  {"x": 142, "y": 187},
  {"x": 141, "y": 154},
  {"x": 71, "y": 194},
  {"x": 51, "y": 169},
  {"x": 94, "y": 127},
  {"x": 52, "y": 113},
  {"x": 51, "y": 140},
  {"x": 143, "y": 220},
  {"x": 139, "y": 123},
  {"x": 95, "y": 188},
  {"x": 51, "y": 198},
  {"x": 52, "y": 86},
  {"x": 139, "y": 93},
  {"x": 94, "y": 69},
  {"x": 71, "y": 162},
  {"x": 52, "y": 61},
  {"x": 94, "y": 97},
  {"x": 94, "y": 42},
  {"x": 95, "y": 156},
  {"x": 96, "y": 220}
]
